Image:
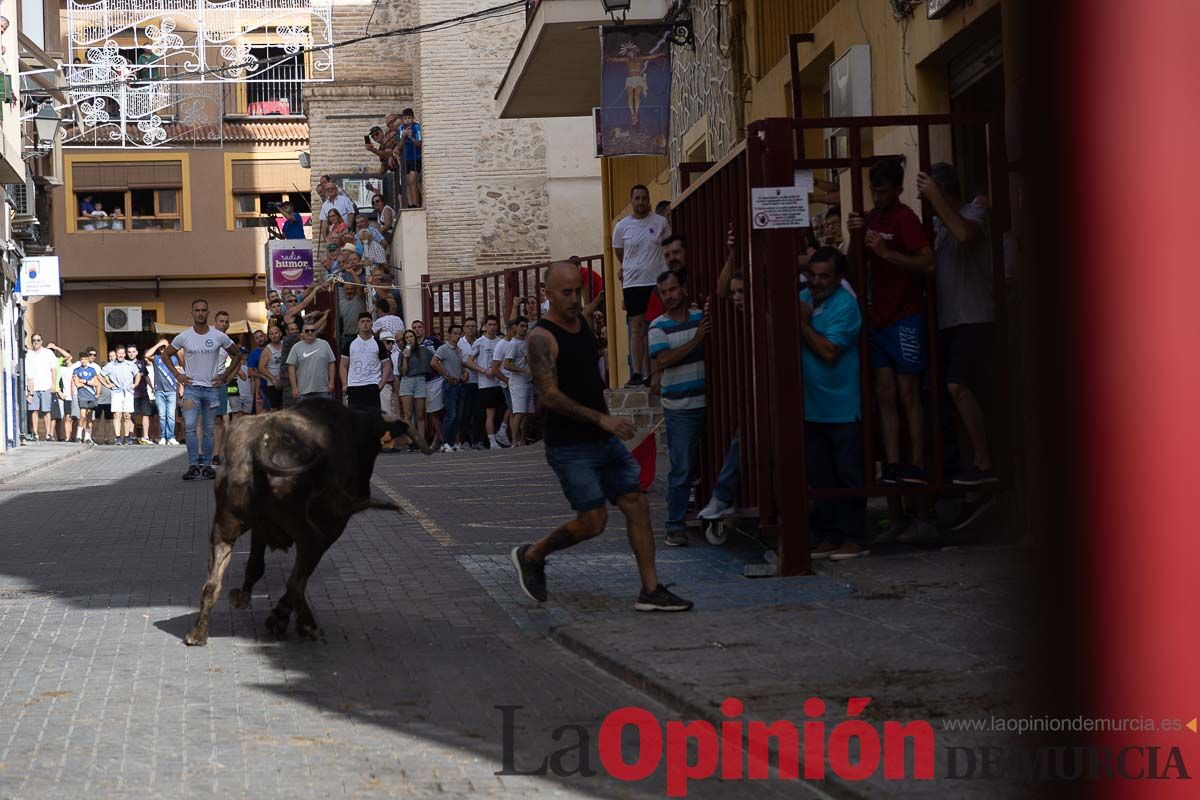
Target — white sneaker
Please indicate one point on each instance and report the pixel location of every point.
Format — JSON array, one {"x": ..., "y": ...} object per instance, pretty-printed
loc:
[
  {"x": 162, "y": 442},
  {"x": 172, "y": 442},
  {"x": 716, "y": 509},
  {"x": 446, "y": 448},
  {"x": 502, "y": 439}
]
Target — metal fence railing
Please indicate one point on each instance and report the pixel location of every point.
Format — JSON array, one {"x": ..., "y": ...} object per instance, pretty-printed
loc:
[
  {"x": 448, "y": 302},
  {"x": 753, "y": 360}
]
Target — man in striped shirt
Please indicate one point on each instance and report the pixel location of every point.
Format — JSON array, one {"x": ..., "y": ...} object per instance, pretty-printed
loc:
[{"x": 677, "y": 350}]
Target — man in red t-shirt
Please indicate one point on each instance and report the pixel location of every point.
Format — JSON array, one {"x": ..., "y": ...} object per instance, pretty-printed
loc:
[{"x": 899, "y": 256}]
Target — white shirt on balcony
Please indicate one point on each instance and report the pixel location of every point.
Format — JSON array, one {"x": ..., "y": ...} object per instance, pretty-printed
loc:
[{"x": 344, "y": 206}]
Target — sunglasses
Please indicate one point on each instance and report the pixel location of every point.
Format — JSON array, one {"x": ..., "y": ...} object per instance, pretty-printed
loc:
[
  {"x": 376, "y": 202},
  {"x": 310, "y": 330},
  {"x": 38, "y": 341}
]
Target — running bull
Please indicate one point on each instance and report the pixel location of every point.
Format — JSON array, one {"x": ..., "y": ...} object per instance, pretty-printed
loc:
[{"x": 292, "y": 477}]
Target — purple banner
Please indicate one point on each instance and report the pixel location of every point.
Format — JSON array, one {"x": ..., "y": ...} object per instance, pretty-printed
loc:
[
  {"x": 635, "y": 90},
  {"x": 291, "y": 264}
]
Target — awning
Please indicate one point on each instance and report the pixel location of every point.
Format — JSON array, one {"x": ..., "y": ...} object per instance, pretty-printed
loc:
[
  {"x": 117, "y": 176},
  {"x": 253, "y": 176},
  {"x": 555, "y": 71}
]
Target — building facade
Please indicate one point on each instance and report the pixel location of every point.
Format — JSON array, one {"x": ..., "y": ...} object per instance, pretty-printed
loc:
[
  {"x": 862, "y": 59},
  {"x": 165, "y": 190},
  {"x": 497, "y": 193},
  {"x": 30, "y": 55}
]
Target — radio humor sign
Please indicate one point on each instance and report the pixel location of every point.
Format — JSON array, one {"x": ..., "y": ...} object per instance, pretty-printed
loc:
[{"x": 291, "y": 263}]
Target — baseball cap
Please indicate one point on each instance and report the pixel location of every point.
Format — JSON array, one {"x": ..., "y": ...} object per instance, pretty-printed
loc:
[
  {"x": 350, "y": 248},
  {"x": 387, "y": 336}
]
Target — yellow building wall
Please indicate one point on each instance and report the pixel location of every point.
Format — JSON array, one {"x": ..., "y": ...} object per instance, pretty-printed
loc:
[{"x": 617, "y": 177}]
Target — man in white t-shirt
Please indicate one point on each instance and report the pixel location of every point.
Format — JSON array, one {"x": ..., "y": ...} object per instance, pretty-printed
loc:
[
  {"x": 479, "y": 362},
  {"x": 472, "y": 419},
  {"x": 41, "y": 366},
  {"x": 366, "y": 367},
  {"x": 204, "y": 350},
  {"x": 498, "y": 356},
  {"x": 335, "y": 199},
  {"x": 637, "y": 243}
]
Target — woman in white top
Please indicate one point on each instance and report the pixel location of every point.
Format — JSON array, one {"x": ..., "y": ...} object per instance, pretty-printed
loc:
[{"x": 385, "y": 215}]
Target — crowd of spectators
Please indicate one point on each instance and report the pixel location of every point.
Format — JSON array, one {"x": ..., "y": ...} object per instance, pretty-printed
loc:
[
  {"x": 398, "y": 146},
  {"x": 667, "y": 352}
]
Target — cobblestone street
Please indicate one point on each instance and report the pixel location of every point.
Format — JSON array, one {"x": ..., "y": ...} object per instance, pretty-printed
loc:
[
  {"x": 104, "y": 556},
  {"x": 425, "y": 632}
]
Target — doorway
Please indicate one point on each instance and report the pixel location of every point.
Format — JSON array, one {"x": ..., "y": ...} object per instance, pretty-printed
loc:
[{"x": 976, "y": 84}]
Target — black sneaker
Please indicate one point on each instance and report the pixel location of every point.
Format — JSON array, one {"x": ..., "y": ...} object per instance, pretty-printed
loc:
[
  {"x": 635, "y": 380},
  {"x": 216, "y": 461},
  {"x": 661, "y": 599},
  {"x": 208, "y": 473},
  {"x": 913, "y": 475},
  {"x": 974, "y": 476},
  {"x": 677, "y": 539},
  {"x": 193, "y": 473},
  {"x": 530, "y": 574},
  {"x": 890, "y": 474},
  {"x": 973, "y": 510}
]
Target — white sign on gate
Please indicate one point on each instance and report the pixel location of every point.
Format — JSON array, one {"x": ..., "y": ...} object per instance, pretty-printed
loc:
[{"x": 779, "y": 207}]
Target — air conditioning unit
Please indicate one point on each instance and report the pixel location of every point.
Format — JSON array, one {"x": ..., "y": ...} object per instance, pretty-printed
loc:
[
  {"x": 122, "y": 319},
  {"x": 850, "y": 83}
]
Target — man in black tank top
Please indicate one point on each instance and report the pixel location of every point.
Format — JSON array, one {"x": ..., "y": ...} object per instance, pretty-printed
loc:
[{"x": 582, "y": 445}]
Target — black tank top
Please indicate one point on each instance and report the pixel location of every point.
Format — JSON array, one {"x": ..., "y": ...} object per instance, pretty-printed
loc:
[{"x": 579, "y": 379}]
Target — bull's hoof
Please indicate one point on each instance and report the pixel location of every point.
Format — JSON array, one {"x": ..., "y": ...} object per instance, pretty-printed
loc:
[
  {"x": 196, "y": 637},
  {"x": 277, "y": 623},
  {"x": 239, "y": 598},
  {"x": 308, "y": 631}
]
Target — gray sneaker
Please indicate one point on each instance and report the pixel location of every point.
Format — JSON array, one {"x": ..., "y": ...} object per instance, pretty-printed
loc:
[
  {"x": 894, "y": 530},
  {"x": 920, "y": 532},
  {"x": 677, "y": 539}
]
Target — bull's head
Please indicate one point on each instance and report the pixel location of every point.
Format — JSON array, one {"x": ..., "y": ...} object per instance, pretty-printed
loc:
[{"x": 399, "y": 429}]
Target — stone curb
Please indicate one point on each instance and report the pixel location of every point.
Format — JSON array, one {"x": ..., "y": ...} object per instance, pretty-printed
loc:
[
  {"x": 21, "y": 472},
  {"x": 691, "y": 705}
]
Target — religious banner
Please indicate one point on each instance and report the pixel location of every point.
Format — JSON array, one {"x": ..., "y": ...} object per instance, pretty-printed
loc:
[
  {"x": 635, "y": 90},
  {"x": 290, "y": 263}
]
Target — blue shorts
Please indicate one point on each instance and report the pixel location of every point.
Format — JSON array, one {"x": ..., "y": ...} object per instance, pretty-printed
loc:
[
  {"x": 594, "y": 472},
  {"x": 901, "y": 346}
]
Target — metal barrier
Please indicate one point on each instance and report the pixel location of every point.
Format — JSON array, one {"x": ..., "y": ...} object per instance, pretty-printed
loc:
[
  {"x": 448, "y": 302},
  {"x": 753, "y": 358}
]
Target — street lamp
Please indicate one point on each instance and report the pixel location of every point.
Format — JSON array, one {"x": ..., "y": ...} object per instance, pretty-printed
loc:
[
  {"x": 47, "y": 122},
  {"x": 612, "y": 7}
]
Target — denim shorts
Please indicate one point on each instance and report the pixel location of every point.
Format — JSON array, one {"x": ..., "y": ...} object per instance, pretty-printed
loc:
[
  {"x": 594, "y": 472},
  {"x": 413, "y": 386}
]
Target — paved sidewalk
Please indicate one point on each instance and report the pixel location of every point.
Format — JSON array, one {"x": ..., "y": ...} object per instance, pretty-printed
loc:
[
  {"x": 927, "y": 634},
  {"x": 32, "y": 456},
  {"x": 104, "y": 557}
]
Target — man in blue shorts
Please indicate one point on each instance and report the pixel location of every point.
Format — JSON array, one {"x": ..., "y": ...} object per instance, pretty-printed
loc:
[
  {"x": 899, "y": 256},
  {"x": 583, "y": 445}
]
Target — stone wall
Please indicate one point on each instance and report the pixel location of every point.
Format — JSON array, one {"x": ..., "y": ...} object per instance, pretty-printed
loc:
[
  {"x": 705, "y": 82},
  {"x": 485, "y": 179},
  {"x": 371, "y": 79}
]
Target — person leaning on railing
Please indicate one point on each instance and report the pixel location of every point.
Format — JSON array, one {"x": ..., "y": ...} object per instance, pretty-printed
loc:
[{"x": 730, "y": 286}]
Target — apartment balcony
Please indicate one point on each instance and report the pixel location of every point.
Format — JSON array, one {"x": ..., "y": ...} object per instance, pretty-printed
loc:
[{"x": 555, "y": 71}]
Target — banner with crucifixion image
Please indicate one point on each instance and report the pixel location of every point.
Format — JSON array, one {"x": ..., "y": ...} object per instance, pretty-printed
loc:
[{"x": 635, "y": 89}]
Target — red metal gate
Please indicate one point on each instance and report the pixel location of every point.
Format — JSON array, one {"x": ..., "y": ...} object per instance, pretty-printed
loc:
[
  {"x": 753, "y": 359},
  {"x": 453, "y": 300}
]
